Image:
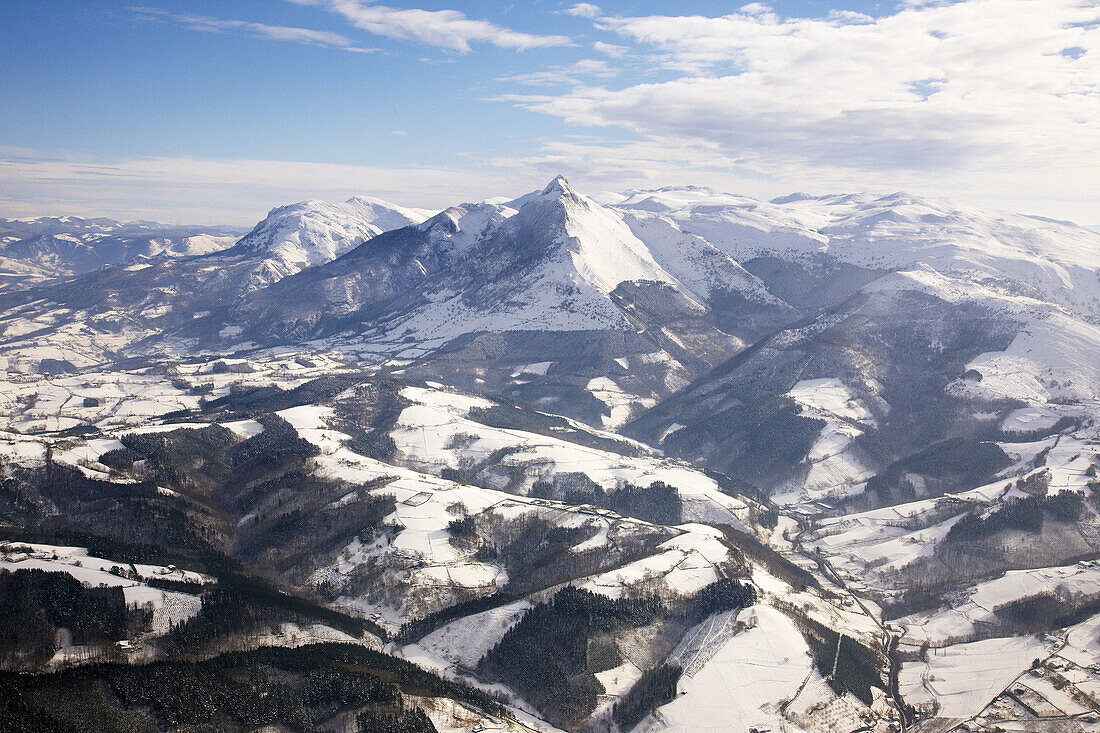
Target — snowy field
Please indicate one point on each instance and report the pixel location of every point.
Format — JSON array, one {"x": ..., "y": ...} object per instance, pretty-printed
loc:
[
  {"x": 426, "y": 504},
  {"x": 464, "y": 642},
  {"x": 962, "y": 679},
  {"x": 743, "y": 682}
]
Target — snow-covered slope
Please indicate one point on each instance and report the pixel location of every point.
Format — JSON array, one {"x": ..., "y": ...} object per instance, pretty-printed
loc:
[
  {"x": 313, "y": 232},
  {"x": 548, "y": 267},
  {"x": 695, "y": 263},
  {"x": 394, "y": 265},
  {"x": 168, "y": 303},
  {"x": 820, "y": 408},
  {"x": 479, "y": 492},
  {"x": 878, "y": 411},
  {"x": 1051, "y": 260},
  {"x": 603, "y": 252},
  {"x": 905, "y": 296}
]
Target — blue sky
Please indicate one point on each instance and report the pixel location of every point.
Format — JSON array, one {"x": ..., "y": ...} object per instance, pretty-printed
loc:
[{"x": 216, "y": 111}]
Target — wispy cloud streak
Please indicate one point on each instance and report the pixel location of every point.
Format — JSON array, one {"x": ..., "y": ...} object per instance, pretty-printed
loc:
[
  {"x": 206, "y": 24},
  {"x": 449, "y": 29}
]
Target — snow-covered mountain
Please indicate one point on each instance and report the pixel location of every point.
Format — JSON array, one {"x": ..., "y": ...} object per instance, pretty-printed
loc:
[
  {"x": 86, "y": 320},
  {"x": 551, "y": 262},
  {"x": 499, "y": 279},
  {"x": 929, "y": 321},
  {"x": 311, "y": 233},
  {"x": 607, "y": 457},
  {"x": 675, "y": 279},
  {"x": 549, "y": 267},
  {"x": 390, "y": 266},
  {"x": 22, "y": 228}
]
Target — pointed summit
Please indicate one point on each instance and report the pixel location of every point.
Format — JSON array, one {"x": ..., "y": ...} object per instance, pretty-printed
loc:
[
  {"x": 557, "y": 190},
  {"x": 557, "y": 187}
]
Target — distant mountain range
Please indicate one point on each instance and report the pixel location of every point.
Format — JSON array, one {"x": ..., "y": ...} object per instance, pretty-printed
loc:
[{"x": 36, "y": 250}]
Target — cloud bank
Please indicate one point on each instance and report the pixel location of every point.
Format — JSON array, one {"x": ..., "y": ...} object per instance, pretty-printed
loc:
[{"x": 972, "y": 95}]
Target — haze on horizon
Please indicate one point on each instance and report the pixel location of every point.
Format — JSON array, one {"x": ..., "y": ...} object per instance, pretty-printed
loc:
[{"x": 206, "y": 112}]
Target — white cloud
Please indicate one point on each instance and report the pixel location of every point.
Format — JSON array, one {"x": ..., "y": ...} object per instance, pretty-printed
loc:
[
  {"x": 991, "y": 101},
  {"x": 17, "y": 151},
  {"x": 584, "y": 10},
  {"x": 574, "y": 73},
  {"x": 756, "y": 9},
  {"x": 593, "y": 164},
  {"x": 850, "y": 16},
  {"x": 207, "y": 24},
  {"x": 610, "y": 49},
  {"x": 448, "y": 29},
  {"x": 971, "y": 96}
]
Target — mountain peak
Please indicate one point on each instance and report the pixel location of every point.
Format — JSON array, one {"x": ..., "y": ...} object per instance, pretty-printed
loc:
[
  {"x": 558, "y": 190},
  {"x": 314, "y": 232},
  {"x": 593, "y": 240},
  {"x": 557, "y": 187}
]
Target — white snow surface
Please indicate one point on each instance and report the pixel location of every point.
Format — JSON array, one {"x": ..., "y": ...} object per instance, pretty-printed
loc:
[
  {"x": 1053, "y": 358},
  {"x": 964, "y": 678},
  {"x": 829, "y": 396},
  {"x": 739, "y": 684},
  {"x": 465, "y": 641},
  {"x": 892, "y": 232},
  {"x": 685, "y": 563},
  {"x": 424, "y": 509},
  {"x": 572, "y": 254},
  {"x": 313, "y": 232},
  {"x": 436, "y": 432},
  {"x": 169, "y": 607},
  {"x": 468, "y": 223},
  {"x": 965, "y": 617},
  {"x": 603, "y": 250},
  {"x": 832, "y": 469}
]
